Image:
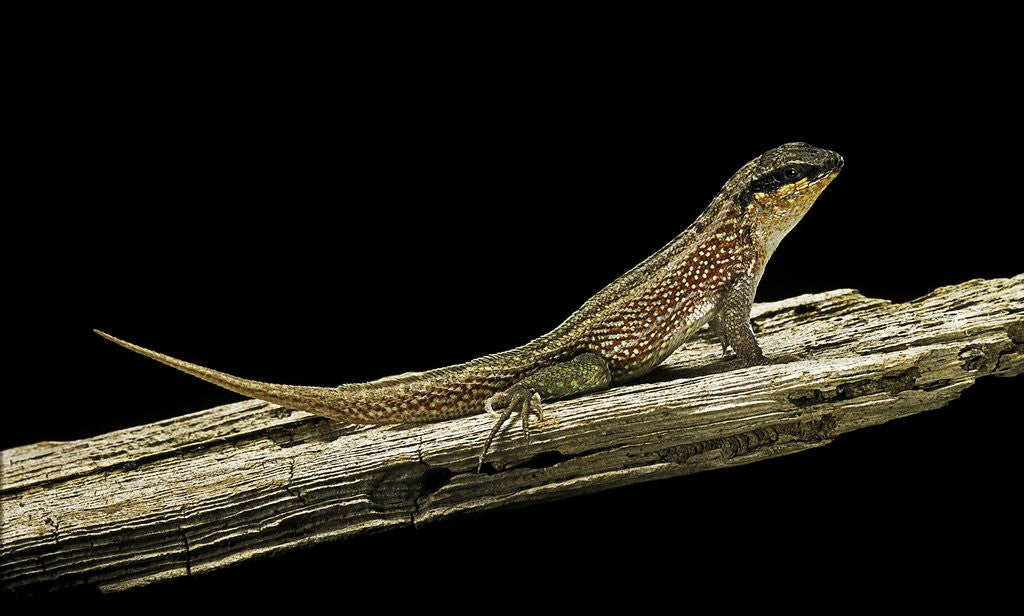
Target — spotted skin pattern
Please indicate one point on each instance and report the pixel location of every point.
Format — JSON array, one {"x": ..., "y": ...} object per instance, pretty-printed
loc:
[
  {"x": 708, "y": 273},
  {"x": 652, "y": 325}
]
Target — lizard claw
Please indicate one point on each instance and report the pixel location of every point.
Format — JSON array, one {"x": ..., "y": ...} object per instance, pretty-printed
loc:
[{"x": 515, "y": 399}]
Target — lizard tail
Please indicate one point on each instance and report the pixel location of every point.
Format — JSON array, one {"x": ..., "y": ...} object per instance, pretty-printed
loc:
[
  {"x": 423, "y": 397},
  {"x": 318, "y": 400}
]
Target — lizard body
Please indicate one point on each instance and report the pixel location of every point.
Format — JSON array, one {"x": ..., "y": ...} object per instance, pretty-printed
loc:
[{"x": 707, "y": 274}]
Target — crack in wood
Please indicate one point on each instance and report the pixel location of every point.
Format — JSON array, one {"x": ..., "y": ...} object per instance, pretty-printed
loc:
[
  {"x": 891, "y": 384},
  {"x": 736, "y": 445}
]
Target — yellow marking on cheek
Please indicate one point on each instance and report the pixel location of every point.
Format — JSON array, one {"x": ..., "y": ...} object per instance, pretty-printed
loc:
[
  {"x": 799, "y": 194},
  {"x": 788, "y": 189}
]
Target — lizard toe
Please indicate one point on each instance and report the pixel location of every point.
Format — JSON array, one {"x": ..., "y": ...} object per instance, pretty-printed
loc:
[{"x": 516, "y": 400}]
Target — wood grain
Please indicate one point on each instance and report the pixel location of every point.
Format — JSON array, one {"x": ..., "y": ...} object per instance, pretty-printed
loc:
[{"x": 205, "y": 490}]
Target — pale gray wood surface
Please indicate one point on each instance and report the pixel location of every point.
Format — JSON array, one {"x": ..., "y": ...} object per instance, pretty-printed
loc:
[{"x": 204, "y": 490}]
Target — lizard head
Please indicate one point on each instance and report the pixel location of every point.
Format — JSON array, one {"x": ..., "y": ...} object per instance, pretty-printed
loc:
[{"x": 780, "y": 186}]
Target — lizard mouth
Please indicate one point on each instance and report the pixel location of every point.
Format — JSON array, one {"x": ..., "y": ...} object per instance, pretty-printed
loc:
[
  {"x": 818, "y": 184},
  {"x": 835, "y": 162},
  {"x": 808, "y": 187},
  {"x": 824, "y": 180}
]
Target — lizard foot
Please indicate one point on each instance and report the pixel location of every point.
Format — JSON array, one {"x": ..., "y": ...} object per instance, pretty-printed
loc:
[{"x": 515, "y": 399}]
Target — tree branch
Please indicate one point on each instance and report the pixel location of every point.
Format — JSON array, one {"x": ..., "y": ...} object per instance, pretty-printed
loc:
[{"x": 199, "y": 492}]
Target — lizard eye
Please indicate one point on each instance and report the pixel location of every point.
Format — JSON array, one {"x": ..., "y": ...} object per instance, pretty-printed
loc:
[{"x": 791, "y": 173}]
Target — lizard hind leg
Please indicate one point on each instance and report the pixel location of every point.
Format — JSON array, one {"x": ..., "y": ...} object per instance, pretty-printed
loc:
[
  {"x": 516, "y": 399},
  {"x": 584, "y": 373}
]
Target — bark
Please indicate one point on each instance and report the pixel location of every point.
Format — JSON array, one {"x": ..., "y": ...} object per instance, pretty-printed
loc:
[{"x": 205, "y": 490}]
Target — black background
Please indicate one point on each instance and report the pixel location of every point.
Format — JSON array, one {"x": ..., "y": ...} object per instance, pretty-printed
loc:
[{"x": 304, "y": 221}]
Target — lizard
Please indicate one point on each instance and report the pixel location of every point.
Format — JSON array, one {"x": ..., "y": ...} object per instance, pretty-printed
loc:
[{"x": 708, "y": 274}]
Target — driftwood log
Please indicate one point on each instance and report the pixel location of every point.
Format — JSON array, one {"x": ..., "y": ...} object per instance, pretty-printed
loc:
[{"x": 199, "y": 492}]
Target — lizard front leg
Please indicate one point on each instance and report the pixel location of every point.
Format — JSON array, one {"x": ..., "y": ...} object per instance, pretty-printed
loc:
[
  {"x": 732, "y": 325},
  {"x": 733, "y": 322},
  {"x": 584, "y": 373}
]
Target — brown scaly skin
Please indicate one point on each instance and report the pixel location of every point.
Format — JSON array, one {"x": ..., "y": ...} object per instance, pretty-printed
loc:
[{"x": 709, "y": 273}]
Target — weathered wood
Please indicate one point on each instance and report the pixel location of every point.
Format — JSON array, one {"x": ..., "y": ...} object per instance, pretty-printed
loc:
[{"x": 202, "y": 491}]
